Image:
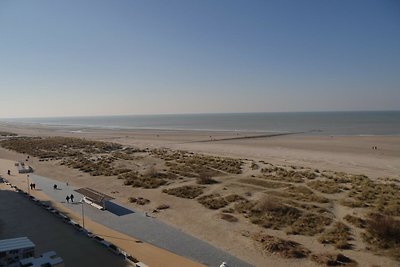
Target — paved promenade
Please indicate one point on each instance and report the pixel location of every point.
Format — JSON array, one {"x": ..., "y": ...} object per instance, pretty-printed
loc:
[
  {"x": 20, "y": 217},
  {"x": 138, "y": 225}
]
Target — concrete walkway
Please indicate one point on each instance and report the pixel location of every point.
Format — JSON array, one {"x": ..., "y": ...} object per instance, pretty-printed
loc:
[
  {"x": 19, "y": 216},
  {"x": 139, "y": 226}
]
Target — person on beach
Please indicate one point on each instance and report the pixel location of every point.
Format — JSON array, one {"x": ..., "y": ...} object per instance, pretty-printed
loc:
[
  {"x": 9, "y": 172},
  {"x": 67, "y": 198},
  {"x": 72, "y": 198}
]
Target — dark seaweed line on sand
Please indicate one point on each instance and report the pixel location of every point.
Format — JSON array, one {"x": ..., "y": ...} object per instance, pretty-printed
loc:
[{"x": 246, "y": 137}]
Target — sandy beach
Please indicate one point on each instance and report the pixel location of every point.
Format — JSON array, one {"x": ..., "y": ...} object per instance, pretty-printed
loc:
[{"x": 349, "y": 154}]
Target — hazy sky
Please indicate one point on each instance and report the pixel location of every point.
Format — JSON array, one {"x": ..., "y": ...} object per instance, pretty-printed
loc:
[{"x": 67, "y": 58}]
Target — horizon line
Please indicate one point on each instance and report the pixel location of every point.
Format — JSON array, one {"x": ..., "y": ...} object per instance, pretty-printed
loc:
[{"x": 194, "y": 113}]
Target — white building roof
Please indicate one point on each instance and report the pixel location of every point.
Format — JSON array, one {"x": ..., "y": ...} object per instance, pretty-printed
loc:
[{"x": 15, "y": 243}]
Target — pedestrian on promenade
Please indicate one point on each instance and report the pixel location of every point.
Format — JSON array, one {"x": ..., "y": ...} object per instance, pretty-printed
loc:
[
  {"x": 72, "y": 198},
  {"x": 67, "y": 198},
  {"x": 54, "y": 186},
  {"x": 34, "y": 186},
  {"x": 9, "y": 172}
]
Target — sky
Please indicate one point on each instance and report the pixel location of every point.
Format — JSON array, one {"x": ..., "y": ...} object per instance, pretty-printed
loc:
[{"x": 95, "y": 57}]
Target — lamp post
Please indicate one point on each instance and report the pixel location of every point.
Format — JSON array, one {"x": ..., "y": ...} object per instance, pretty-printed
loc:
[{"x": 83, "y": 214}]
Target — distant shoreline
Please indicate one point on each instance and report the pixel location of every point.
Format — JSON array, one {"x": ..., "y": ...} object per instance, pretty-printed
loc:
[
  {"x": 250, "y": 133},
  {"x": 380, "y": 123}
]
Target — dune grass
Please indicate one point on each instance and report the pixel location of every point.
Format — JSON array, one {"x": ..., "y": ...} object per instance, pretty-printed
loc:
[
  {"x": 309, "y": 224},
  {"x": 356, "y": 221},
  {"x": 262, "y": 183},
  {"x": 187, "y": 191},
  {"x": 339, "y": 236},
  {"x": 216, "y": 201},
  {"x": 281, "y": 247},
  {"x": 329, "y": 259},
  {"x": 383, "y": 233},
  {"x": 325, "y": 186}
]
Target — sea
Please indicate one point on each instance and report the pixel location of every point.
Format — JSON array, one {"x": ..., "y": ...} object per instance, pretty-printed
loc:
[{"x": 314, "y": 123}]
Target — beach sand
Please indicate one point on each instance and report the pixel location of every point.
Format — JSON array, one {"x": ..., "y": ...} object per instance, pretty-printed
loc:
[{"x": 352, "y": 154}]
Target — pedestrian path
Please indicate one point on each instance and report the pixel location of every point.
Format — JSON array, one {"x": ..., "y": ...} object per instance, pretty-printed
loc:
[{"x": 138, "y": 225}]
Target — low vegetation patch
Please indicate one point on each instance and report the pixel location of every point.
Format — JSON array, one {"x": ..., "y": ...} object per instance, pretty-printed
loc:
[
  {"x": 139, "y": 200},
  {"x": 270, "y": 213},
  {"x": 309, "y": 224},
  {"x": 93, "y": 157},
  {"x": 339, "y": 235},
  {"x": 136, "y": 180},
  {"x": 204, "y": 178},
  {"x": 6, "y": 134},
  {"x": 234, "y": 198},
  {"x": 289, "y": 175},
  {"x": 382, "y": 197},
  {"x": 187, "y": 191},
  {"x": 325, "y": 186},
  {"x": 192, "y": 165},
  {"x": 229, "y": 217},
  {"x": 356, "y": 221},
  {"x": 56, "y": 147},
  {"x": 163, "y": 207},
  {"x": 216, "y": 201},
  {"x": 262, "y": 183},
  {"x": 288, "y": 179},
  {"x": 281, "y": 247},
  {"x": 310, "y": 207},
  {"x": 327, "y": 259},
  {"x": 213, "y": 201},
  {"x": 94, "y": 166},
  {"x": 299, "y": 193},
  {"x": 383, "y": 232}
]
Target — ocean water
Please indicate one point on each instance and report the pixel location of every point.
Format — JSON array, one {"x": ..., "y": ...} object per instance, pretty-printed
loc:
[{"x": 321, "y": 123}]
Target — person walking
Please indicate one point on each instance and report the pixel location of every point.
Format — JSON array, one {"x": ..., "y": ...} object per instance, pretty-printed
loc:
[
  {"x": 72, "y": 198},
  {"x": 67, "y": 198}
]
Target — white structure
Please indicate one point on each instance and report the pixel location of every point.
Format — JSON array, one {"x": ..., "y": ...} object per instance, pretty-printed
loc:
[
  {"x": 22, "y": 168},
  {"x": 15, "y": 249},
  {"x": 46, "y": 259}
]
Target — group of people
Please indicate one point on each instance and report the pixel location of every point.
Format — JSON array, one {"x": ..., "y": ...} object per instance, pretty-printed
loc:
[
  {"x": 71, "y": 197},
  {"x": 32, "y": 186}
]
